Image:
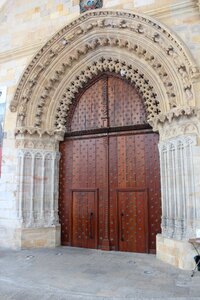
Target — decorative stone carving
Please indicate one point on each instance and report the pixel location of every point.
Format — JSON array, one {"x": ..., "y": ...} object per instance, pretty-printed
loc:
[
  {"x": 158, "y": 36},
  {"x": 195, "y": 72},
  {"x": 179, "y": 121},
  {"x": 178, "y": 195},
  {"x": 103, "y": 65},
  {"x": 37, "y": 187},
  {"x": 32, "y": 138},
  {"x": 177, "y": 112}
]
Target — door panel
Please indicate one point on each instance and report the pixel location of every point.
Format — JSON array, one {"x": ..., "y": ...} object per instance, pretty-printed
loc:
[
  {"x": 152, "y": 166},
  {"x": 127, "y": 174},
  {"x": 90, "y": 111},
  {"x": 125, "y": 105},
  {"x": 132, "y": 220},
  {"x": 108, "y": 102},
  {"x": 84, "y": 220},
  {"x": 84, "y": 166}
]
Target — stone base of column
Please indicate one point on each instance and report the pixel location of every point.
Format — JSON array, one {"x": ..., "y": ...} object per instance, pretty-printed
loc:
[
  {"x": 177, "y": 253},
  {"x": 44, "y": 237},
  {"x": 26, "y": 238}
]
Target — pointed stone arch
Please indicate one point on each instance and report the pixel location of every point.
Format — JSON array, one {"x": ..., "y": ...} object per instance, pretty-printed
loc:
[{"x": 133, "y": 45}]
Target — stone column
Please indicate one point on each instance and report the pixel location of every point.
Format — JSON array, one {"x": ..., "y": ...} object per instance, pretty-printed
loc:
[
  {"x": 180, "y": 182},
  {"x": 177, "y": 181},
  {"x": 37, "y": 190}
]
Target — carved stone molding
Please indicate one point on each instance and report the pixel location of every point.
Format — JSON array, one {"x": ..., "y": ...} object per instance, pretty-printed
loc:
[
  {"x": 46, "y": 144},
  {"x": 184, "y": 121},
  {"x": 179, "y": 8},
  {"x": 177, "y": 182},
  {"x": 30, "y": 137},
  {"x": 37, "y": 198},
  {"x": 133, "y": 75},
  {"x": 150, "y": 41}
]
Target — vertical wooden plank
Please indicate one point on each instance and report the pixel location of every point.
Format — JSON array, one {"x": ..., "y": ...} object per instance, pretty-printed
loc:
[
  {"x": 125, "y": 105},
  {"x": 113, "y": 184},
  {"x": 89, "y": 112},
  {"x": 153, "y": 183}
]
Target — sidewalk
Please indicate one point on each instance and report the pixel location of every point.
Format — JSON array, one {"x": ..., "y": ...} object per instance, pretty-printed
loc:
[{"x": 72, "y": 273}]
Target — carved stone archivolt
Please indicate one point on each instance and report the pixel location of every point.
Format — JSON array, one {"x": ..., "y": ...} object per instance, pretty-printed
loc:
[
  {"x": 67, "y": 62},
  {"x": 128, "y": 72}
]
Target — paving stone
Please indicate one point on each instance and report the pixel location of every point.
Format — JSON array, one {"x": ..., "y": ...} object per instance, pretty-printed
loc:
[{"x": 74, "y": 273}]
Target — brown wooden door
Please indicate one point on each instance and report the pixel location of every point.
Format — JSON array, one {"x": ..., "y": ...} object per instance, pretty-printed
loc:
[{"x": 109, "y": 171}]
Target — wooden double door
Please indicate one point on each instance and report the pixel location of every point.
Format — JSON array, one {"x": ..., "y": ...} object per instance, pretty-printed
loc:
[{"x": 109, "y": 185}]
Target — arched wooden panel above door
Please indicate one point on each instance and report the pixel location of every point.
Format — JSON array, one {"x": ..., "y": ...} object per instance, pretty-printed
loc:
[{"x": 109, "y": 101}]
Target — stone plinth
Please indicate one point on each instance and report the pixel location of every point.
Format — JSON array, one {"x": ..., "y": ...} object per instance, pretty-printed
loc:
[
  {"x": 24, "y": 238},
  {"x": 40, "y": 237},
  {"x": 177, "y": 253}
]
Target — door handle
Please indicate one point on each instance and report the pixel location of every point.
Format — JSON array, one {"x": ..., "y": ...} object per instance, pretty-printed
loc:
[
  {"x": 122, "y": 229},
  {"x": 91, "y": 221}
]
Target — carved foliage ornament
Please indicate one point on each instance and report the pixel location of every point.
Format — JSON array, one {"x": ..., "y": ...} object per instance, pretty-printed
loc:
[
  {"x": 137, "y": 50},
  {"x": 62, "y": 70},
  {"x": 133, "y": 75},
  {"x": 178, "y": 122},
  {"x": 181, "y": 62}
]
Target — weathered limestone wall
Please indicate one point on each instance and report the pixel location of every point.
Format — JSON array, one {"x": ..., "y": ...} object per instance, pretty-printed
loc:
[
  {"x": 25, "y": 26},
  {"x": 10, "y": 73}
]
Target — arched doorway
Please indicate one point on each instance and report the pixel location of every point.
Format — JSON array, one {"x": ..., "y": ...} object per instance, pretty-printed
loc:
[
  {"x": 159, "y": 65},
  {"x": 109, "y": 170}
]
